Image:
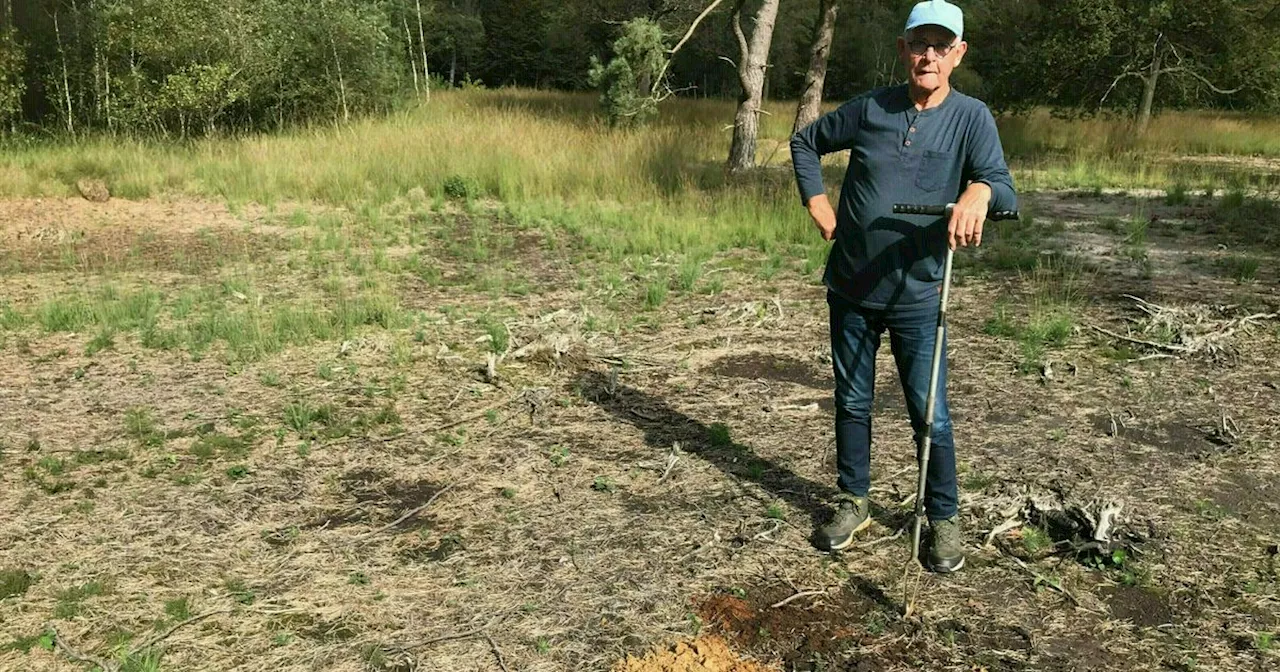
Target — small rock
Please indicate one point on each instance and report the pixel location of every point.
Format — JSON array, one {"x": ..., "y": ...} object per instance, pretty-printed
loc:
[{"x": 93, "y": 190}]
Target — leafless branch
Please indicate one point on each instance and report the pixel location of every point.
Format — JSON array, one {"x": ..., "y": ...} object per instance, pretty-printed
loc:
[
  {"x": 710, "y": 8},
  {"x": 152, "y": 641},
  {"x": 1202, "y": 79},
  {"x": 1127, "y": 73},
  {"x": 659, "y": 80}
]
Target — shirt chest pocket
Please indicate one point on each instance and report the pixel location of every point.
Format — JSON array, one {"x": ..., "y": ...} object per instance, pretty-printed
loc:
[{"x": 935, "y": 168}]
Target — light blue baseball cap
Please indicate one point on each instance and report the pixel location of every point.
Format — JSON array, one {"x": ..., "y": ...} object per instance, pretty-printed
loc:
[{"x": 937, "y": 13}]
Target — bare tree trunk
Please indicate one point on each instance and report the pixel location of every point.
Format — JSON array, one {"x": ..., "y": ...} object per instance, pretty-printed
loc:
[
  {"x": 1149, "y": 90},
  {"x": 751, "y": 68},
  {"x": 106, "y": 79},
  {"x": 66, "y": 79},
  {"x": 815, "y": 79},
  {"x": 342, "y": 84},
  {"x": 422, "y": 36},
  {"x": 453, "y": 65},
  {"x": 412, "y": 65}
]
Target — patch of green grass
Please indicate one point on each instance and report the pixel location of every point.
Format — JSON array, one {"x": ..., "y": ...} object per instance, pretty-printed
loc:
[
  {"x": 107, "y": 308},
  {"x": 54, "y": 466},
  {"x": 216, "y": 444},
  {"x": 655, "y": 293},
  {"x": 875, "y": 622},
  {"x": 1251, "y": 221},
  {"x": 10, "y": 319},
  {"x": 301, "y": 416},
  {"x": 559, "y": 455},
  {"x": 139, "y": 425},
  {"x": 499, "y": 337},
  {"x": 603, "y": 484},
  {"x": 239, "y": 591},
  {"x": 718, "y": 433},
  {"x": 71, "y": 599},
  {"x": 178, "y": 609},
  {"x": 1240, "y": 268},
  {"x": 142, "y": 661},
  {"x": 15, "y": 582},
  {"x": 1057, "y": 292},
  {"x": 1177, "y": 195},
  {"x": 542, "y": 645},
  {"x": 1264, "y": 641},
  {"x": 270, "y": 378},
  {"x": 690, "y": 272},
  {"x": 770, "y": 267},
  {"x": 815, "y": 257},
  {"x": 1035, "y": 540},
  {"x": 776, "y": 511},
  {"x": 1209, "y": 509},
  {"x": 358, "y": 579},
  {"x": 978, "y": 481},
  {"x": 38, "y": 475},
  {"x": 1001, "y": 324},
  {"x": 103, "y": 341},
  {"x": 43, "y": 640},
  {"x": 83, "y": 457}
]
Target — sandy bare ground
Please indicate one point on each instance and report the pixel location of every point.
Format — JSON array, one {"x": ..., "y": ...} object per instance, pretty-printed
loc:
[{"x": 612, "y": 490}]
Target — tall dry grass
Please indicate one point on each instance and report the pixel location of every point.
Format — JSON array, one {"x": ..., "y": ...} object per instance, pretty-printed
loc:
[{"x": 551, "y": 156}]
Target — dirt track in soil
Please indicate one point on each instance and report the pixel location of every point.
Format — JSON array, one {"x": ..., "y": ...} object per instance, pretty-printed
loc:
[{"x": 595, "y": 513}]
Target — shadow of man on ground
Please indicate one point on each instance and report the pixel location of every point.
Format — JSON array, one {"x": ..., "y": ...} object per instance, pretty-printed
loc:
[{"x": 663, "y": 426}]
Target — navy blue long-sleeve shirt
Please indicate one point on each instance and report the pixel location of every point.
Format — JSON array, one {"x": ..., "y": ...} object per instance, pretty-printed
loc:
[{"x": 898, "y": 155}]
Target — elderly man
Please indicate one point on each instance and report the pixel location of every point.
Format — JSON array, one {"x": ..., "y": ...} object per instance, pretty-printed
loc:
[{"x": 922, "y": 143}]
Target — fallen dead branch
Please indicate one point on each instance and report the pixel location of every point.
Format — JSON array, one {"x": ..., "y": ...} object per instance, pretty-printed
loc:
[
  {"x": 1139, "y": 341},
  {"x": 478, "y": 633},
  {"x": 800, "y": 595},
  {"x": 1055, "y": 584},
  {"x": 497, "y": 653},
  {"x": 408, "y": 514},
  {"x": 479, "y": 414},
  {"x": 61, "y": 645},
  {"x": 1186, "y": 330},
  {"x": 152, "y": 641},
  {"x": 438, "y": 640}
]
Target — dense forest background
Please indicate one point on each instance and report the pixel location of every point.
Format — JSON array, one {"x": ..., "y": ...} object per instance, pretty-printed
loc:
[{"x": 181, "y": 68}]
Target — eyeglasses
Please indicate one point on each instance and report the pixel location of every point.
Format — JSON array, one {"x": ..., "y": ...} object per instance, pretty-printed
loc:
[{"x": 920, "y": 47}]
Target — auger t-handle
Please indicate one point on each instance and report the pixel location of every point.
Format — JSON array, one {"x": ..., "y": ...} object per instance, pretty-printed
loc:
[{"x": 945, "y": 210}]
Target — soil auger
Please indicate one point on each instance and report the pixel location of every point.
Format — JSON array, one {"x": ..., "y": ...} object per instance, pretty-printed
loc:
[{"x": 927, "y": 441}]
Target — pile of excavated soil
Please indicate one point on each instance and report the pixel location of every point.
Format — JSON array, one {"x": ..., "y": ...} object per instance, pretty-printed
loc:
[{"x": 705, "y": 654}]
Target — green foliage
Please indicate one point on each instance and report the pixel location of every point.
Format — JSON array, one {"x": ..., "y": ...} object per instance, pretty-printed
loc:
[
  {"x": 628, "y": 81},
  {"x": 12, "y": 85},
  {"x": 1089, "y": 54}
]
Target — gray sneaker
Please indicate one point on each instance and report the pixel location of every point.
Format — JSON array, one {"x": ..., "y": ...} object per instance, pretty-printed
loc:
[
  {"x": 852, "y": 515},
  {"x": 946, "y": 553}
]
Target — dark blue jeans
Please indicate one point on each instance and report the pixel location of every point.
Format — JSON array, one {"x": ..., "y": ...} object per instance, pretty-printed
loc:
[{"x": 855, "y": 339}]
